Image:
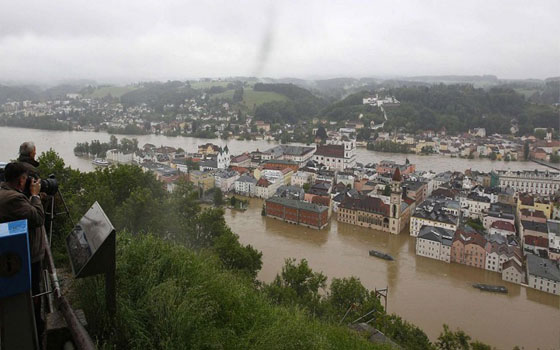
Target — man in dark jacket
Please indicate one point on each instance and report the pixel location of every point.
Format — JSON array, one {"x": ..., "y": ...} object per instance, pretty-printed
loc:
[
  {"x": 27, "y": 153},
  {"x": 15, "y": 205}
]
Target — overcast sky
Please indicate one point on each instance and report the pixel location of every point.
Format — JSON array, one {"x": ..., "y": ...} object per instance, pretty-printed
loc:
[{"x": 120, "y": 41}]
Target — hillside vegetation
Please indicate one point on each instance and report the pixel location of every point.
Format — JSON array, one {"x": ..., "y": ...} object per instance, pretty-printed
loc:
[
  {"x": 16, "y": 93},
  {"x": 459, "y": 108},
  {"x": 351, "y": 107},
  {"x": 301, "y": 104},
  {"x": 172, "y": 298},
  {"x": 157, "y": 95}
]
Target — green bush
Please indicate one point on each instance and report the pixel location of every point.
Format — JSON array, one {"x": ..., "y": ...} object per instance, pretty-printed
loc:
[{"x": 170, "y": 297}]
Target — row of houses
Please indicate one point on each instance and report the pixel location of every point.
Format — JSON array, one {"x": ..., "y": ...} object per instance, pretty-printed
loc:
[
  {"x": 490, "y": 253},
  {"x": 515, "y": 233}
]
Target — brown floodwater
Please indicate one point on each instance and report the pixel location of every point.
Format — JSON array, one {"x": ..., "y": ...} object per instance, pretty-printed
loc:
[
  {"x": 426, "y": 292},
  {"x": 423, "y": 291}
]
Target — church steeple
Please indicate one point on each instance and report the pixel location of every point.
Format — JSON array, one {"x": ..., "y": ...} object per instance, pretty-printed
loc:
[{"x": 396, "y": 181}]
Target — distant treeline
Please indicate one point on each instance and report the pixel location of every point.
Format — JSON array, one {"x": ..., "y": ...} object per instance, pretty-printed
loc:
[
  {"x": 44, "y": 123},
  {"x": 99, "y": 149}
]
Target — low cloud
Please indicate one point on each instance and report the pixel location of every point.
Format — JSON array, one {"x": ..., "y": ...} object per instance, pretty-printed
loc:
[{"x": 145, "y": 40}]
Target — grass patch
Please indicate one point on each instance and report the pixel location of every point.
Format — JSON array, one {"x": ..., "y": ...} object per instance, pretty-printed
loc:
[
  {"x": 526, "y": 92},
  {"x": 208, "y": 84},
  {"x": 115, "y": 91},
  {"x": 251, "y": 98}
]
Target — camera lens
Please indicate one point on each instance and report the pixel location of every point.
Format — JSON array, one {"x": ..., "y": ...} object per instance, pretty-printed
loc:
[{"x": 49, "y": 186}]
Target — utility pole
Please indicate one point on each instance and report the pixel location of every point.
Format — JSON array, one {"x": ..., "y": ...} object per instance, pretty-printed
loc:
[{"x": 382, "y": 293}]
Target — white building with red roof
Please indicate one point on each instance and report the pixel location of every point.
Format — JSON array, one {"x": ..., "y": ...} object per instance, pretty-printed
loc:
[{"x": 502, "y": 228}]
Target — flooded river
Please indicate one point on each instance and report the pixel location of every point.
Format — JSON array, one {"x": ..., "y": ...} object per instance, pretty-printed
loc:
[
  {"x": 423, "y": 291},
  {"x": 65, "y": 141}
]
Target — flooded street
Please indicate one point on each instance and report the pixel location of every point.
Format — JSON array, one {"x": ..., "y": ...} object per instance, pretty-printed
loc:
[{"x": 423, "y": 291}]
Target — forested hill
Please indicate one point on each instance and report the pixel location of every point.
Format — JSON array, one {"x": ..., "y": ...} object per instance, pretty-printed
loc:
[
  {"x": 301, "y": 104},
  {"x": 16, "y": 93},
  {"x": 458, "y": 108},
  {"x": 157, "y": 95},
  {"x": 351, "y": 107}
]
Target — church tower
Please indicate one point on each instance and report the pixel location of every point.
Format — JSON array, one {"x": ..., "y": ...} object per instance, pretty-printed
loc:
[{"x": 395, "y": 202}]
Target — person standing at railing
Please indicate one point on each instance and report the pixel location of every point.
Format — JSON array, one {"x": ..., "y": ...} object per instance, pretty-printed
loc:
[{"x": 15, "y": 205}]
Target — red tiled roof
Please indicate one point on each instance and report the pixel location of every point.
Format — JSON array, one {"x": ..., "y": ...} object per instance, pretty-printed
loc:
[
  {"x": 444, "y": 192},
  {"x": 263, "y": 182},
  {"x": 336, "y": 151},
  {"x": 513, "y": 263},
  {"x": 286, "y": 170},
  {"x": 503, "y": 225},
  {"x": 408, "y": 200},
  {"x": 536, "y": 241},
  {"x": 526, "y": 200},
  {"x": 369, "y": 204},
  {"x": 397, "y": 175},
  {"x": 239, "y": 169},
  {"x": 240, "y": 158},
  {"x": 321, "y": 200},
  {"x": 533, "y": 213},
  {"x": 469, "y": 238}
]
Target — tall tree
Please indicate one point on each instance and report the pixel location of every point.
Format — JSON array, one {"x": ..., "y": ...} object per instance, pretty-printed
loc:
[{"x": 321, "y": 133}]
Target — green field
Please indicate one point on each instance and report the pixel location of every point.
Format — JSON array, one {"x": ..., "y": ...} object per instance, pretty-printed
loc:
[
  {"x": 253, "y": 98},
  {"x": 208, "y": 84},
  {"x": 115, "y": 91},
  {"x": 526, "y": 92}
]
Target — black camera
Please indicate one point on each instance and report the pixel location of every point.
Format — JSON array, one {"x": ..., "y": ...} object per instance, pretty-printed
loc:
[{"x": 48, "y": 185}]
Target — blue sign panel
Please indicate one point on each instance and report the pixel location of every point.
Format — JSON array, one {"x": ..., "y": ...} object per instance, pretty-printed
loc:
[{"x": 15, "y": 262}]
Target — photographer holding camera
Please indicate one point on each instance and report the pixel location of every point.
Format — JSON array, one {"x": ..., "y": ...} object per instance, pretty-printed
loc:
[{"x": 16, "y": 205}]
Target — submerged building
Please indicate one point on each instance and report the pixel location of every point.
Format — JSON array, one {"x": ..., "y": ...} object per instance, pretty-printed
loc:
[
  {"x": 297, "y": 212},
  {"x": 375, "y": 213}
]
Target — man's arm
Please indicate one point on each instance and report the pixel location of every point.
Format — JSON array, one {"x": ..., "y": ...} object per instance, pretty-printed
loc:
[{"x": 32, "y": 210}]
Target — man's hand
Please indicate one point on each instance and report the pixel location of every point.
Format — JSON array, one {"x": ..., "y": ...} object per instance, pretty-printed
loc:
[{"x": 35, "y": 187}]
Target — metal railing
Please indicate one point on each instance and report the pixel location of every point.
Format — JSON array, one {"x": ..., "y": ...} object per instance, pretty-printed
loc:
[{"x": 80, "y": 335}]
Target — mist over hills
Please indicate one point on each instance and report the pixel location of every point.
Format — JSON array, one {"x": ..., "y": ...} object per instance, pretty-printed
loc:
[{"x": 330, "y": 88}]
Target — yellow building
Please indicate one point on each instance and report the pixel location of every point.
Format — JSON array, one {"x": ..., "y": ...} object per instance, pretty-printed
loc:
[
  {"x": 209, "y": 149},
  {"x": 257, "y": 173},
  {"x": 531, "y": 203},
  {"x": 421, "y": 144},
  {"x": 202, "y": 179}
]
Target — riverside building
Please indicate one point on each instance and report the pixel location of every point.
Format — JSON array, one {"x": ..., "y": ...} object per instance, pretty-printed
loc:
[
  {"x": 298, "y": 212},
  {"x": 535, "y": 182},
  {"x": 437, "y": 212},
  {"x": 543, "y": 274},
  {"x": 337, "y": 155},
  {"x": 375, "y": 213},
  {"x": 435, "y": 242}
]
